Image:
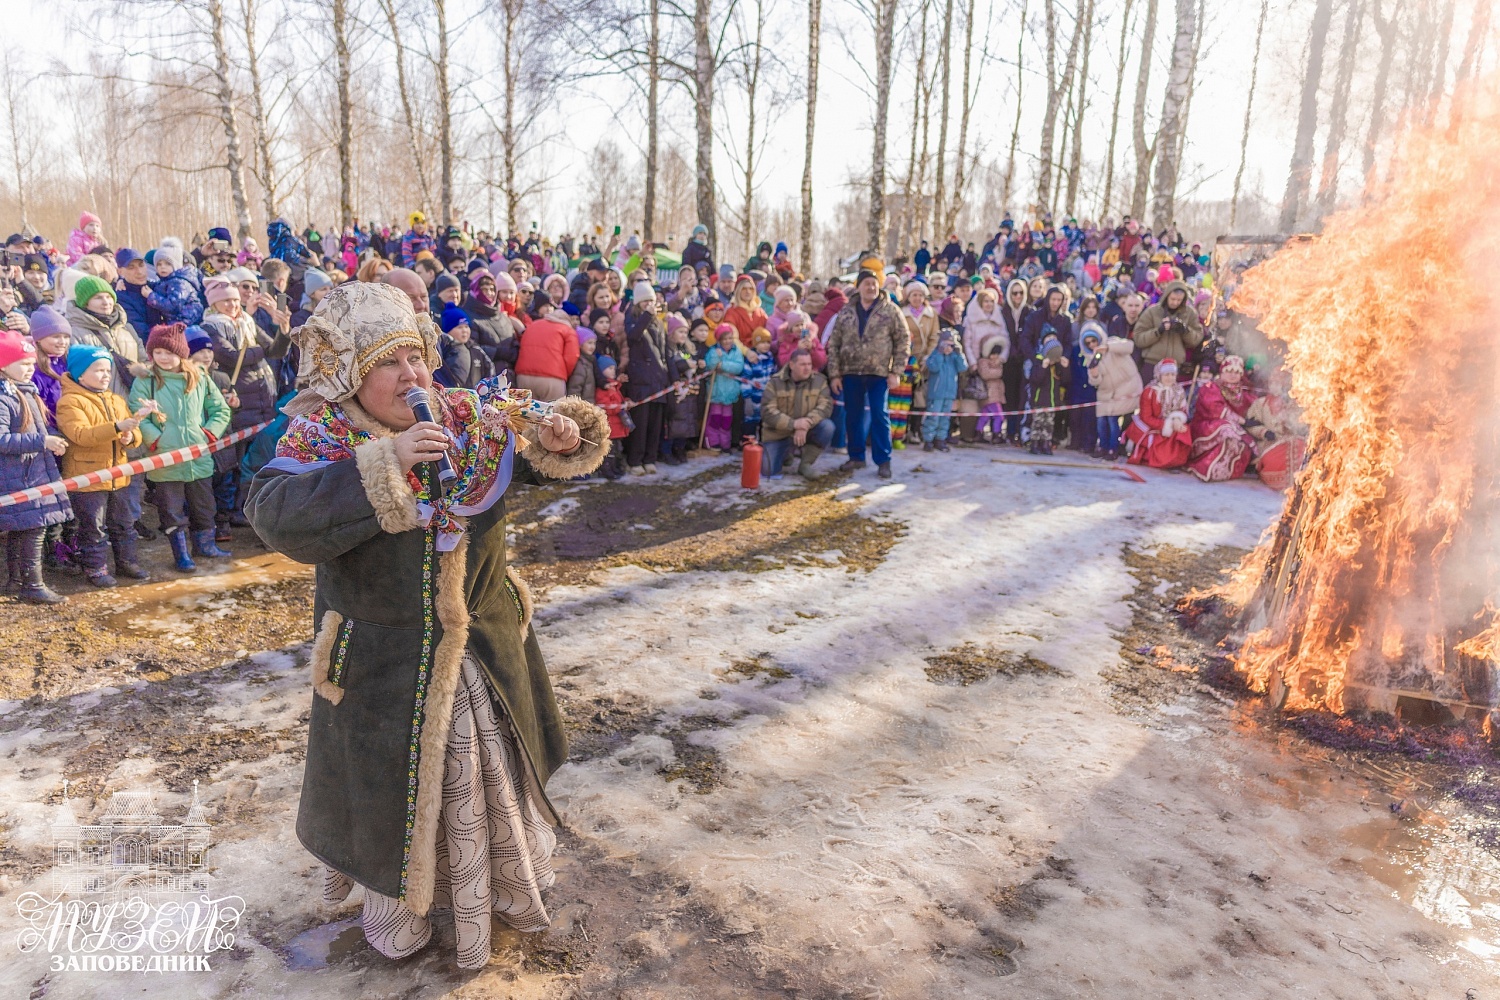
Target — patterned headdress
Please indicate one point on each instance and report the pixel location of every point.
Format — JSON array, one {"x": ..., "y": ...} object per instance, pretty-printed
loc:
[{"x": 355, "y": 326}]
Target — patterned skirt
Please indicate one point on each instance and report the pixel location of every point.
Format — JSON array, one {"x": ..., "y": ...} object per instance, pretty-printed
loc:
[
  {"x": 494, "y": 850},
  {"x": 899, "y": 404}
]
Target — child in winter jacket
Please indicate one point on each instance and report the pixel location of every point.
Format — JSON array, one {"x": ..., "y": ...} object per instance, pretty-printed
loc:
[
  {"x": 725, "y": 362},
  {"x": 1083, "y": 430},
  {"x": 27, "y": 459},
  {"x": 88, "y": 235},
  {"x": 760, "y": 365},
  {"x": 190, "y": 410},
  {"x": 682, "y": 425},
  {"x": 611, "y": 400},
  {"x": 991, "y": 365},
  {"x": 465, "y": 364},
  {"x": 1049, "y": 388},
  {"x": 584, "y": 379},
  {"x": 99, "y": 427},
  {"x": 52, "y": 337},
  {"x": 1117, "y": 383},
  {"x": 177, "y": 297},
  {"x": 943, "y": 367}
]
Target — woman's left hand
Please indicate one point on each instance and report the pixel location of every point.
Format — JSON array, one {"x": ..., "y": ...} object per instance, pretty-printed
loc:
[{"x": 559, "y": 433}]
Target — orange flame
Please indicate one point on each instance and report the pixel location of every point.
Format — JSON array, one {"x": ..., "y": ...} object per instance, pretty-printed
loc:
[{"x": 1384, "y": 550}]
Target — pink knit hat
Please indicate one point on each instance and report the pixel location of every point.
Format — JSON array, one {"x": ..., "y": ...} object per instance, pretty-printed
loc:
[
  {"x": 219, "y": 290},
  {"x": 14, "y": 347},
  {"x": 86, "y": 218},
  {"x": 504, "y": 282}
]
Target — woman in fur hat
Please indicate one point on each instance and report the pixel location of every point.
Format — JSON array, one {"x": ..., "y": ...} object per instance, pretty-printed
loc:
[
  {"x": 433, "y": 727},
  {"x": 1158, "y": 432}
]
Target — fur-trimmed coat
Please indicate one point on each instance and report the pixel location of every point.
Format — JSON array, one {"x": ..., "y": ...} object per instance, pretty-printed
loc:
[{"x": 393, "y": 618}]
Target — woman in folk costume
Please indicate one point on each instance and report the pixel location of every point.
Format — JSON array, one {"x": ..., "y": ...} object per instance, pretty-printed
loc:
[
  {"x": 1158, "y": 433},
  {"x": 1222, "y": 448},
  {"x": 433, "y": 727}
]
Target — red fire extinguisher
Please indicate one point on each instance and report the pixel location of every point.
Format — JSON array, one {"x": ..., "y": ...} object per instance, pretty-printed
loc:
[{"x": 750, "y": 464}]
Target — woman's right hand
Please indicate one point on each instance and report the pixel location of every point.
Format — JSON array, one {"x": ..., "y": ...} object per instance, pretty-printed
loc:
[{"x": 423, "y": 441}]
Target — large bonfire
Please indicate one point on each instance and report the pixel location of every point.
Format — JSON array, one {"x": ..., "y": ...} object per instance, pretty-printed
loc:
[{"x": 1379, "y": 581}]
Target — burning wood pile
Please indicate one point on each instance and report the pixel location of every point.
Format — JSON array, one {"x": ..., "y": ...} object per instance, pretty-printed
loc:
[{"x": 1377, "y": 589}]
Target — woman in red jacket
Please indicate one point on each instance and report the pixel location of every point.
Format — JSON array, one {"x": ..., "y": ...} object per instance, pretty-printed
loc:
[
  {"x": 549, "y": 350},
  {"x": 745, "y": 313}
]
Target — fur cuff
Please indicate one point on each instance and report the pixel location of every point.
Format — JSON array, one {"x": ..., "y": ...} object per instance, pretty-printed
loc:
[
  {"x": 386, "y": 486},
  {"x": 321, "y": 657},
  {"x": 523, "y": 597},
  {"x": 593, "y": 425}
]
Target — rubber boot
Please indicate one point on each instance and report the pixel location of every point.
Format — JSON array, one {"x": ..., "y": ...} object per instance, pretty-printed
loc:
[
  {"x": 33, "y": 589},
  {"x": 183, "y": 561},
  {"x": 204, "y": 545}
]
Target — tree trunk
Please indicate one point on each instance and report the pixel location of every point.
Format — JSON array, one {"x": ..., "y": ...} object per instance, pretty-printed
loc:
[
  {"x": 1179, "y": 83},
  {"x": 445, "y": 117},
  {"x": 1239, "y": 174},
  {"x": 960, "y": 173},
  {"x": 1440, "y": 64},
  {"x": 1386, "y": 29},
  {"x": 939, "y": 195},
  {"x": 1299, "y": 177},
  {"x": 1015, "y": 131},
  {"x": 703, "y": 116},
  {"x": 653, "y": 83},
  {"x": 19, "y": 162},
  {"x": 1328, "y": 181},
  {"x": 1049, "y": 118},
  {"x": 1479, "y": 28},
  {"x": 885, "y": 36},
  {"x": 267, "y": 167},
  {"x": 1075, "y": 164},
  {"x": 1187, "y": 104},
  {"x": 814, "y": 25},
  {"x": 414, "y": 145},
  {"x": 510, "y": 70},
  {"x": 346, "y": 112},
  {"x": 911, "y": 189},
  {"x": 752, "y": 93},
  {"x": 1114, "y": 114},
  {"x": 234, "y": 160},
  {"x": 1143, "y": 153}
]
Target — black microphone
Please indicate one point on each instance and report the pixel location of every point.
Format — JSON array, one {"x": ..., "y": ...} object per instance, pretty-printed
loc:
[{"x": 416, "y": 398}]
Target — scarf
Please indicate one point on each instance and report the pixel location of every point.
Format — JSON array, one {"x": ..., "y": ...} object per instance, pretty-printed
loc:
[{"x": 480, "y": 423}]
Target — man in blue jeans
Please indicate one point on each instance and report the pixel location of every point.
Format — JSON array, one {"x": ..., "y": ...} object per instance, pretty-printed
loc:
[
  {"x": 867, "y": 352},
  {"x": 795, "y": 411}
]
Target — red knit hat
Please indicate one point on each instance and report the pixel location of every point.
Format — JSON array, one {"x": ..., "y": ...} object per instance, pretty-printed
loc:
[
  {"x": 14, "y": 347},
  {"x": 169, "y": 337}
]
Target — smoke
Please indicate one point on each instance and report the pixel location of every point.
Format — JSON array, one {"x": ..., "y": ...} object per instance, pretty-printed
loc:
[{"x": 1389, "y": 326}]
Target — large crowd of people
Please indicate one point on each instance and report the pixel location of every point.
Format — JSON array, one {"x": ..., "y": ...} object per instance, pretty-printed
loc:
[{"x": 1109, "y": 340}]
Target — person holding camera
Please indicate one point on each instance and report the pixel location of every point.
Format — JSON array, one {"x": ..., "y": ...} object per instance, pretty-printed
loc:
[{"x": 1168, "y": 329}]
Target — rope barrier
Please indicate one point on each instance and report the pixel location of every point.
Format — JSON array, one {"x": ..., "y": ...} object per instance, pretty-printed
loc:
[{"x": 130, "y": 468}]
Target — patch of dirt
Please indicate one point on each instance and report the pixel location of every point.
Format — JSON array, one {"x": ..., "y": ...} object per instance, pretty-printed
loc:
[
  {"x": 1173, "y": 645},
  {"x": 761, "y": 665},
  {"x": 171, "y": 625},
  {"x": 969, "y": 664},
  {"x": 602, "y": 725},
  {"x": 647, "y": 525},
  {"x": 702, "y": 767}
]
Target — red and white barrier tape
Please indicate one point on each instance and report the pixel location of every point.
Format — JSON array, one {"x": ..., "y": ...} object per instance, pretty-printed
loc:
[{"x": 130, "y": 468}]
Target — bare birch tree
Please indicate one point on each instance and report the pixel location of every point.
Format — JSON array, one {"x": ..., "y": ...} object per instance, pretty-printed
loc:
[
  {"x": 1056, "y": 87},
  {"x": 1239, "y": 174},
  {"x": 705, "y": 65},
  {"x": 342, "y": 68},
  {"x": 653, "y": 115},
  {"x": 414, "y": 139},
  {"x": 1114, "y": 114},
  {"x": 20, "y": 130},
  {"x": 1179, "y": 83},
  {"x": 1386, "y": 29},
  {"x": 224, "y": 86},
  {"x": 1299, "y": 176},
  {"x": 265, "y": 166},
  {"x": 961, "y": 163},
  {"x": 882, "y": 18},
  {"x": 814, "y": 30},
  {"x": 1144, "y": 152},
  {"x": 945, "y": 57},
  {"x": 1440, "y": 63},
  {"x": 445, "y": 114},
  {"x": 1015, "y": 131},
  {"x": 1479, "y": 29},
  {"x": 1338, "y": 112},
  {"x": 1075, "y": 163}
]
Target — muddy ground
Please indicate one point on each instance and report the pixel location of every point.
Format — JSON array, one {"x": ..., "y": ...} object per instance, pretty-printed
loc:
[{"x": 201, "y": 678}]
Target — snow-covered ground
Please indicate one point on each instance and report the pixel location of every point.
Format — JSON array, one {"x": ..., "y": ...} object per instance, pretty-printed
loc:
[{"x": 870, "y": 833}]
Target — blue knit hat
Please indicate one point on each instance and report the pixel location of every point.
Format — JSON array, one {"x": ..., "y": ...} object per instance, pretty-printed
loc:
[
  {"x": 452, "y": 317},
  {"x": 602, "y": 362},
  {"x": 81, "y": 356},
  {"x": 197, "y": 339}
]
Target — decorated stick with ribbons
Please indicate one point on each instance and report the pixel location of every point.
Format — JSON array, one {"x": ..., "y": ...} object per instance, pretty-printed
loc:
[{"x": 134, "y": 468}]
